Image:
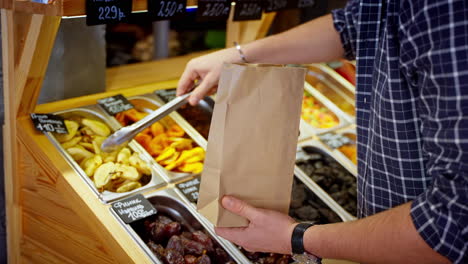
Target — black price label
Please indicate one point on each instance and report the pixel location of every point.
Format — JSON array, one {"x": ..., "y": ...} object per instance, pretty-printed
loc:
[
  {"x": 166, "y": 95},
  {"x": 212, "y": 10},
  {"x": 163, "y": 10},
  {"x": 277, "y": 5},
  {"x": 190, "y": 189},
  {"x": 115, "y": 104},
  {"x": 49, "y": 123},
  {"x": 248, "y": 10},
  {"x": 107, "y": 11},
  {"x": 306, "y": 3},
  {"x": 133, "y": 208}
]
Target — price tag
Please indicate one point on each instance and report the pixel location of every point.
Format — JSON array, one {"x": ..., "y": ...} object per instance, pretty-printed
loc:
[
  {"x": 190, "y": 189},
  {"x": 166, "y": 95},
  {"x": 335, "y": 141},
  {"x": 277, "y": 5},
  {"x": 107, "y": 11},
  {"x": 163, "y": 10},
  {"x": 115, "y": 104},
  {"x": 306, "y": 3},
  {"x": 212, "y": 10},
  {"x": 247, "y": 10},
  {"x": 133, "y": 208},
  {"x": 49, "y": 123}
]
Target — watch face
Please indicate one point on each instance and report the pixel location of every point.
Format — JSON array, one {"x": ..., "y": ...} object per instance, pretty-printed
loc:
[{"x": 306, "y": 259}]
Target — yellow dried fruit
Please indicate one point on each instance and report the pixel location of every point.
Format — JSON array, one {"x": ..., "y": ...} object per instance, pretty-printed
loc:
[
  {"x": 181, "y": 143},
  {"x": 139, "y": 164},
  {"x": 78, "y": 153},
  {"x": 128, "y": 172},
  {"x": 104, "y": 173},
  {"x": 97, "y": 127},
  {"x": 72, "y": 128},
  {"x": 124, "y": 155},
  {"x": 170, "y": 160},
  {"x": 91, "y": 164},
  {"x": 71, "y": 143},
  {"x": 192, "y": 167},
  {"x": 167, "y": 153},
  {"x": 129, "y": 186},
  {"x": 87, "y": 146}
]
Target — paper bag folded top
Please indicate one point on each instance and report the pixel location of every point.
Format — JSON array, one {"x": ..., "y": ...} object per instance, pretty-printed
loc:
[{"x": 252, "y": 141}]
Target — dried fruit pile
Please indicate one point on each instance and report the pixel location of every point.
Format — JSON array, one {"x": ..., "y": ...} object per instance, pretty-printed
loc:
[
  {"x": 173, "y": 243},
  {"x": 314, "y": 113},
  {"x": 119, "y": 171},
  {"x": 167, "y": 143},
  {"x": 331, "y": 176}
]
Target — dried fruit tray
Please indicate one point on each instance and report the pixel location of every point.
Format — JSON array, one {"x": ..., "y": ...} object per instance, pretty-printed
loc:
[
  {"x": 323, "y": 108},
  {"x": 328, "y": 176},
  {"x": 80, "y": 147},
  {"x": 151, "y": 142},
  {"x": 178, "y": 227},
  {"x": 333, "y": 91}
]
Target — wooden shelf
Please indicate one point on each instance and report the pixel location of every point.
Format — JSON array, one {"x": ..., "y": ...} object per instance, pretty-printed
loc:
[{"x": 63, "y": 7}]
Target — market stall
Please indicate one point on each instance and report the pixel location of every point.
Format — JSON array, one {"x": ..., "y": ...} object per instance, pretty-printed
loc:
[{"x": 61, "y": 190}]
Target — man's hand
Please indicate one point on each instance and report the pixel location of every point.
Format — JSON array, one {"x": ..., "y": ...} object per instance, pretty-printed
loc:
[{"x": 268, "y": 231}]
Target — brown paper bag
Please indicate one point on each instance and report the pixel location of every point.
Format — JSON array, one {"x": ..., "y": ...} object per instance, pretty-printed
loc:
[{"x": 252, "y": 141}]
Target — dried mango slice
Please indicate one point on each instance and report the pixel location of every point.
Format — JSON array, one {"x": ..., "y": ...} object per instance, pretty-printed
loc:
[
  {"x": 167, "y": 153},
  {"x": 72, "y": 128},
  {"x": 175, "y": 131},
  {"x": 129, "y": 186},
  {"x": 194, "y": 159},
  {"x": 172, "y": 159},
  {"x": 181, "y": 144},
  {"x": 71, "y": 143},
  {"x": 97, "y": 127},
  {"x": 134, "y": 115},
  {"x": 193, "y": 167}
]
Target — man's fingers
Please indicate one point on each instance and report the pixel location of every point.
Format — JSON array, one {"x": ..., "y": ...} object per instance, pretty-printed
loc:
[
  {"x": 205, "y": 86},
  {"x": 186, "y": 81},
  {"x": 239, "y": 207}
]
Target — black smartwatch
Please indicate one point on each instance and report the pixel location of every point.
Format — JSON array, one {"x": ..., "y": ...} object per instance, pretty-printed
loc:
[{"x": 297, "y": 245}]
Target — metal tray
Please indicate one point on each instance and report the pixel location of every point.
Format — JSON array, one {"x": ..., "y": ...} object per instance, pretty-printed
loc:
[
  {"x": 307, "y": 130},
  {"x": 168, "y": 202},
  {"x": 315, "y": 187},
  {"x": 340, "y": 155},
  {"x": 336, "y": 76},
  {"x": 148, "y": 103},
  {"x": 94, "y": 112},
  {"x": 204, "y": 107},
  {"x": 333, "y": 90}
]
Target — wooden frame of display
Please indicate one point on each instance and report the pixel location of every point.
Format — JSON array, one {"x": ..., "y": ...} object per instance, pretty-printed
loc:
[{"x": 52, "y": 215}]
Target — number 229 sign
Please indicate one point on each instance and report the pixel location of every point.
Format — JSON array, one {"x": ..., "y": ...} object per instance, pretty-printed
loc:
[
  {"x": 107, "y": 11},
  {"x": 166, "y": 9}
]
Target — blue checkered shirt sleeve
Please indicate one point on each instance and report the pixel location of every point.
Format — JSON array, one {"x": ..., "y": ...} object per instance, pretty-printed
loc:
[
  {"x": 436, "y": 37},
  {"x": 345, "y": 21}
]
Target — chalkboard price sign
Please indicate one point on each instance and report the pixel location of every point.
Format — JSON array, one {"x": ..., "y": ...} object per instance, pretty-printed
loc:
[
  {"x": 49, "y": 123},
  {"x": 212, "y": 10},
  {"x": 133, "y": 208},
  {"x": 306, "y": 3},
  {"x": 247, "y": 10},
  {"x": 115, "y": 104},
  {"x": 167, "y": 9},
  {"x": 277, "y": 5},
  {"x": 190, "y": 189},
  {"x": 107, "y": 11}
]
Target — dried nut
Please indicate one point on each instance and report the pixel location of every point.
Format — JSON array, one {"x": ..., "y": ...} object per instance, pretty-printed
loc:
[
  {"x": 128, "y": 172},
  {"x": 79, "y": 153},
  {"x": 139, "y": 164},
  {"x": 124, "y": 155},
  {"x": 71, "y": 143},
  {"x": 72, "y": 128},
  {"x": 128, "y": 187},
  {"x": 97, "y": 127},
  {"x": 104, "y": 173},
  {"x": 91, "y": 164},
  {"x": 87, "y": 146}
]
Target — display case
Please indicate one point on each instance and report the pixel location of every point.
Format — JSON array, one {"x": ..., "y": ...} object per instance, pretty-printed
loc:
[{"x": 55, "y": 213}]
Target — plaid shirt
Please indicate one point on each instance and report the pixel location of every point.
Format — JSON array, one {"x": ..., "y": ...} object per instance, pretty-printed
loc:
[{"x": 412, "y": 112}]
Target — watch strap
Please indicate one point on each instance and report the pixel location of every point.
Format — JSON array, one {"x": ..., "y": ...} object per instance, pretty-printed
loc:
[{"x": 297, "y": 238}]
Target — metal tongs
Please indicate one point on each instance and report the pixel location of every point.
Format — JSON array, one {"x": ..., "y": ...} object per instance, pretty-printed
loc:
[{"x": 125, "y": 134}]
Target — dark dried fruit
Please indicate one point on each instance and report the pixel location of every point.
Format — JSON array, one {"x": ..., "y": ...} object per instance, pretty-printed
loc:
[
  {"x": 220, "y": 256},
  {"x": 157, "y": 249},
  {"x": 172, "y": 229},
  {"x": 192, "y": 247},
  {"x": 204, "y": 259},
  {"x": 190, "y": 259},
  {"x": 173, "y": 257},
  {"x": 203, "y": 239},
  {"x": 175, "y": 243}
]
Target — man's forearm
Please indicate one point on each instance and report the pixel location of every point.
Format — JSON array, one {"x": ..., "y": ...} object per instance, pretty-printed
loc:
[
  {"x": 387, "y": 237},
  {"x": 315, "y": 41}
]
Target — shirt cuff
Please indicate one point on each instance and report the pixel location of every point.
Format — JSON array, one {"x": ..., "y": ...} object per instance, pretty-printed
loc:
[{"x": 341, "y": 26}]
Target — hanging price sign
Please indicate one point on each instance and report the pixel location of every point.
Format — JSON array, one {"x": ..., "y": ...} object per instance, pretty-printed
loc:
[
  {"x": 167, "y": 9},
  {"x": 190, "y": 189},
  {"x": 248, "y": 10},
  {"x": 212, "y": 10},
  {"x": 49, "y": 123},
  {"x": 277, "y": 5},
  {"x": 115, "y": 104},
  {"x": 107, "y": 11}
]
